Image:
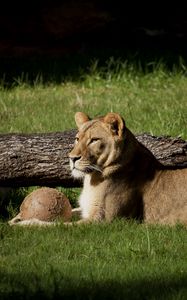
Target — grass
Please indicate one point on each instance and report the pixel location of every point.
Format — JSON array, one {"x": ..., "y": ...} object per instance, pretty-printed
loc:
[
  {"x": 150, "y": 102},
  {"x": 121, "y": 260},
  {"x": 117, "y": 261}
]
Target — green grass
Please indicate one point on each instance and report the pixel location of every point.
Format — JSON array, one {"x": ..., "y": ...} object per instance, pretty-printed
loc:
[
  {"x": 150, "y": 102},
  {"x": 121, "y": 260},
  {"x": 109, "y": 261}
]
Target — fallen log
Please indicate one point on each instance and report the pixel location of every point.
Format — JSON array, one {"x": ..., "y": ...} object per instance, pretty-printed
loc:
[{"x": 42, "y": 159}]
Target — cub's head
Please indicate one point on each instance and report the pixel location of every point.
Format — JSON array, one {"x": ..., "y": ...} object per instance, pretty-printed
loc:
[{"x": 98, "y": 145}]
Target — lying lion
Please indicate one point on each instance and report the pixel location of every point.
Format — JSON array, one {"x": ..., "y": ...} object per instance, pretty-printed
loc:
[{"x": 122, "y": 178}]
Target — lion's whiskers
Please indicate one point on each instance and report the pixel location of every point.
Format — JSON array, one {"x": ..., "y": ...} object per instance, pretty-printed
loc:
[{"x": 94, "y": 167}]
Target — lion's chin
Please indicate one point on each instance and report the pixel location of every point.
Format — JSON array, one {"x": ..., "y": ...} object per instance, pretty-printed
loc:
[{"x": 77, "y": 173}]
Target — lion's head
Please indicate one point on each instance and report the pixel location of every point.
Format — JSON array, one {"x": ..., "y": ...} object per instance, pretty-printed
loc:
[{"x": 99, "y": 144}]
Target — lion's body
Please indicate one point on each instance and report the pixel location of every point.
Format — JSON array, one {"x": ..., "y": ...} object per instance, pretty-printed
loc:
[
  {"x": 165, "y": 199},
  {"x": 122, "y": 178},
  {"x": 159, "y": 202}
]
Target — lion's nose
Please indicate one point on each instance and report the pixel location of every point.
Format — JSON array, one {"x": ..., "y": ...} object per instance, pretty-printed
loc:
[{"x": 74, "y": 158}]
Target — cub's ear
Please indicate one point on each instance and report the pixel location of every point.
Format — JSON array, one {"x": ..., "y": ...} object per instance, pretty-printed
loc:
[
  {"x": 81, "y": 118},
  {"x": 116, "y": 122}
]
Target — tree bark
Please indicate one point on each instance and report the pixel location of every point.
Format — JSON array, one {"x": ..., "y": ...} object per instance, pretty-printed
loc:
[{"x": 42, "y": 159}]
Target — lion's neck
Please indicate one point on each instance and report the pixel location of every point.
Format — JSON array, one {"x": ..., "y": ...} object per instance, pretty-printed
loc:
[
  {"x": 143, "y": 163},
  {"x": 135, "y": 161}
]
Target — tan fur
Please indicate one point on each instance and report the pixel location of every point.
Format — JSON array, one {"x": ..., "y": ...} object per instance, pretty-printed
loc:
[{"x": 122, "y": 178}]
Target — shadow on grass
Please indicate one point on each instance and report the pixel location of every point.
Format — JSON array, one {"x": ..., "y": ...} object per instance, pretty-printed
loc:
[{"x": 32, "y": 287}]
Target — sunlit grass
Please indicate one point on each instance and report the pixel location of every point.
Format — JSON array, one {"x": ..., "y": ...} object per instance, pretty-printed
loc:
[{"x": 150, "y": 102}]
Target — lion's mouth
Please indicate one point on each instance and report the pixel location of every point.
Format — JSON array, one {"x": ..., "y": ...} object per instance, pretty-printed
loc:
[
  {"x": 81, "y": 170},
  {"x": 76, "y": 173}
]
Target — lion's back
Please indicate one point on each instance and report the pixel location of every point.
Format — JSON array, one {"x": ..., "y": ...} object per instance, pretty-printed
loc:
[{"x": 165, "y": 200}]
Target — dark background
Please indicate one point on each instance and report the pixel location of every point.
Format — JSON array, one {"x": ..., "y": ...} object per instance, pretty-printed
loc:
[{"x": 58, "y": 38}]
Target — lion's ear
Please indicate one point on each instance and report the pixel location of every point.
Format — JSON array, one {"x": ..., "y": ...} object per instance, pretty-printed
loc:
[
  {"x": 116, "y": 122},
  {"x": 81, "y": 118}
]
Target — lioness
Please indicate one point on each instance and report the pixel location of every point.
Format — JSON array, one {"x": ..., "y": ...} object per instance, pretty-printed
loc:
[{"x": 122, "y": 178}]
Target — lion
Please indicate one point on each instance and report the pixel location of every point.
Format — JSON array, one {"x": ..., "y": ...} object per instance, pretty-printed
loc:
[{"x": 121, "y": 177}]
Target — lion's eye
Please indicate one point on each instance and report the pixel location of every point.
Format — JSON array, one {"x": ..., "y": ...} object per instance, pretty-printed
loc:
[
  {"x": 94, "y": 140},
  {"x": 76, "y": 140}
]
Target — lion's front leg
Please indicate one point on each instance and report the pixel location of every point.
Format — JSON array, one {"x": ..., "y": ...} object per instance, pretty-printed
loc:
[
  {"x": 82, "y": 221},
  {"x": 96, "y": 216}
]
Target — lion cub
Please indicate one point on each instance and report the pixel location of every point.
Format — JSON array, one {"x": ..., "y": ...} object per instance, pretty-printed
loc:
[{"x": 121, "y": 177}]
